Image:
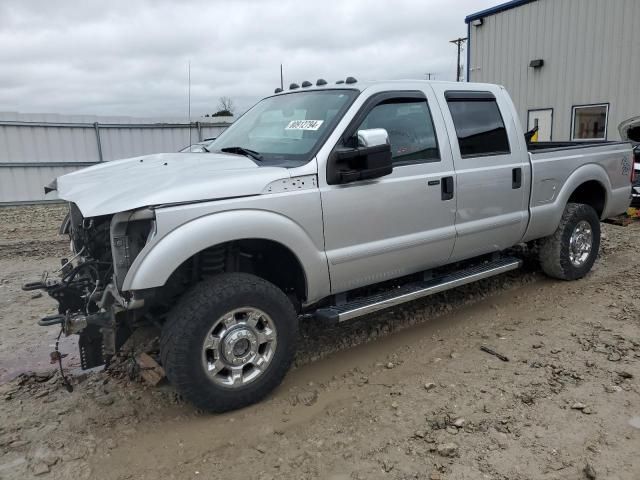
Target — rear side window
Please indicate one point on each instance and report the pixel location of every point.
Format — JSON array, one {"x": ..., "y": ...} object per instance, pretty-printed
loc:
[
  {"x": 478, "y": 122},
  {"x": 410, "y": 127}
]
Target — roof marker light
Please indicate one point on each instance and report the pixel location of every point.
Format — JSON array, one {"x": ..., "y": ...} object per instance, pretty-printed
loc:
[
  {"x": 277, "y": 90},
  {"x": 293, "y": 86},
  {"x": 351, "y": 80},
  {"x": 306, "y": 84},
  {"x": 320, "y": 82}
]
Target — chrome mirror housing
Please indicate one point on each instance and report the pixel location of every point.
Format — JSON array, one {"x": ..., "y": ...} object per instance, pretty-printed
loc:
[{"x": 373, "y": 137}]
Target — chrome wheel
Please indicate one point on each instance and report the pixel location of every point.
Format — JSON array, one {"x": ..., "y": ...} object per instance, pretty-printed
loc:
[
  {"x": 239, "y": 347},
  {"x": 580, "y": 243}
]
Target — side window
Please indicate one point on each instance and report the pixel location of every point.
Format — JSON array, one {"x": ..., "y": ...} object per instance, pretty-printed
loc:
[
  {"x": 478, "y": 122},
  {"x": 410, "y": 127}
]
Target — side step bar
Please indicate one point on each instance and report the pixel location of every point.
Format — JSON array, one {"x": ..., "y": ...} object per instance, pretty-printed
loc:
[{"x": 413, "y": 291}]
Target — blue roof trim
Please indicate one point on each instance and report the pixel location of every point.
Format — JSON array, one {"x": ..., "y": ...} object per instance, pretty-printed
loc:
[{"x": 497, "y": 9}]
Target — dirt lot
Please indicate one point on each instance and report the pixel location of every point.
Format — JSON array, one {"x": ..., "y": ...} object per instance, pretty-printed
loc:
[{"x": 415, "y": 398}]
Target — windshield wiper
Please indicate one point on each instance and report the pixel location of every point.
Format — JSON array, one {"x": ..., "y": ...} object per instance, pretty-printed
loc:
[{"x": 243, "y": 151}]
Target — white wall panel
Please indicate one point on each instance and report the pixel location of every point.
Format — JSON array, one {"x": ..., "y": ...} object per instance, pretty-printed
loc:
[
  {"x": 591, "y": 52},
  {"x": 36, "y": 148}
]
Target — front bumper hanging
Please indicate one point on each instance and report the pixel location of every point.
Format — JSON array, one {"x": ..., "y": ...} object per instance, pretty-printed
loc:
[{"x": 81, "y": 313}]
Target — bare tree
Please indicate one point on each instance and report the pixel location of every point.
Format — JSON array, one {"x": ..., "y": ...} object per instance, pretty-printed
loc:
[{"x": 225, "y": 107}]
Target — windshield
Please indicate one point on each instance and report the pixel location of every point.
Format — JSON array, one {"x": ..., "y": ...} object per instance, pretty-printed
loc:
[{"x": 287, "y": 127}]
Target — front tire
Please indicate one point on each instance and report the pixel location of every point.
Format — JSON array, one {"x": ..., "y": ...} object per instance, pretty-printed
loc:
[
  {"x": 229, "y": 341},
  {"x": 569, "y": 254}
]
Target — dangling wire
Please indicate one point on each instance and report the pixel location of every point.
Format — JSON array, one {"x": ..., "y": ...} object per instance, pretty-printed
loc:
[{"x": 57, "y": 354}]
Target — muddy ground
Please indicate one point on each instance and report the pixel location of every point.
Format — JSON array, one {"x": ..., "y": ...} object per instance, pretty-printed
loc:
[{"x": 413, "y": 398}]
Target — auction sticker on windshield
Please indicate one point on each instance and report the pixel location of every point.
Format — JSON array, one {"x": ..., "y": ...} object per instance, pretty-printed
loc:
[{"x": 304, "y": 125}]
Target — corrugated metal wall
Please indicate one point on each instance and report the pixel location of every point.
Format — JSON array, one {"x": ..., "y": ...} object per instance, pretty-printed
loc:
[
  {"x": 591, "y": 53},
  {"x": 36, "y": 148}
]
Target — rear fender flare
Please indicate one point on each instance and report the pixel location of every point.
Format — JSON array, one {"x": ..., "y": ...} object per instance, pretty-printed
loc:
[
  {"x": 545, "y": 218},
  {"x": 586, "y": 173}
]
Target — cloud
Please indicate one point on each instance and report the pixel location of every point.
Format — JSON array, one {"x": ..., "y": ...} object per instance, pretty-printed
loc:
[{"x": 130, "y": 57}]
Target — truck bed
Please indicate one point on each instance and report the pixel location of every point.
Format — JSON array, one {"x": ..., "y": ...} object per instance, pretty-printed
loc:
[
  {"x": 558, "y": 170},
  {"x": 554, "y": 146}
]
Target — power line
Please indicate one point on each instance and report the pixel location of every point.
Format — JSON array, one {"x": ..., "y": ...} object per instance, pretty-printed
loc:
[{"x": 459, "y": 42}]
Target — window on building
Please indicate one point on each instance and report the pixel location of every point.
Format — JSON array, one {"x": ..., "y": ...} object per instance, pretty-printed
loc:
[
  {"x": 410, "y": 127},
  {"x": 589, "y": 122},
  {"x": 478, "y": 122}
]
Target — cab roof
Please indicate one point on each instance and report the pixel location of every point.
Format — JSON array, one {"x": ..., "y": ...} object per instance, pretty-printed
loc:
[{"x": 363, "y": 85}]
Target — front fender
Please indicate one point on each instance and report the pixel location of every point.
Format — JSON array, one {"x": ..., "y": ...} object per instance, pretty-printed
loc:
[{"x": 160, "y": 258}]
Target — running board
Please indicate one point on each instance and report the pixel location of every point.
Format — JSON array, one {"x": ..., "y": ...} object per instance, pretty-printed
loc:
[{"x": 413, "y": 291}]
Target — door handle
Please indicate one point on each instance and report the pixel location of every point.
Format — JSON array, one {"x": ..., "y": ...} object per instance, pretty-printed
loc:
[
  {"x": 447, "y": 188},
  {"x": 516, "y": 178}
]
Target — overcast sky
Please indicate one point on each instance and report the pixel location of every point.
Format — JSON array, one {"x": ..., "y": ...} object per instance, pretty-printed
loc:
[{"x": 115, "y": 57}]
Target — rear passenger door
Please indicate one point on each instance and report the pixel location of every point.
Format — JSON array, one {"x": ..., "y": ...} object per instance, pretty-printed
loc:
[{"x": 492, "y": 170}]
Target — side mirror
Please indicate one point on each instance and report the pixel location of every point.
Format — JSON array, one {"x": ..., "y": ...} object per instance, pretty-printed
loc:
[
  {"x": 370, "y": 159},
  {"x": 373, "y": 137}
]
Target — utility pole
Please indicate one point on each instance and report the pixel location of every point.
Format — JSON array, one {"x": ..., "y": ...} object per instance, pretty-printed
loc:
[
  {"x": 459, "y": 42},
  {"x": 428, "y": 75},
  {"x": 189, "y": 102}
]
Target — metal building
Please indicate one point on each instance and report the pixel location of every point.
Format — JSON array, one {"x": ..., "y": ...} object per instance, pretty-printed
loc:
[
  {"x": 36, "y": 148},
  {"x": 572, "y": 67}
]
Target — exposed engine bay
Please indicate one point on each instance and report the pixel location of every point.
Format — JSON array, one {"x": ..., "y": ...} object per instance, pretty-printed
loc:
[{"x": 86, "y": 285}]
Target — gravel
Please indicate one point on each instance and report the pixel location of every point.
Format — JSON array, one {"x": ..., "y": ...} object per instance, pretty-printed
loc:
[{"x": 443, "y": 410}]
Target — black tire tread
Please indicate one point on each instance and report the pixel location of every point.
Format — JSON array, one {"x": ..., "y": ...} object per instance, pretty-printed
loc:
[
  {"x": 182, "y": 323},
  {"x": 553, "y": 251}
]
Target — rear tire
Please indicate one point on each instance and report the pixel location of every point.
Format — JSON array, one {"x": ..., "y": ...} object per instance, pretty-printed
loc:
[
  {"x": 229, "y": 341},
  {"x": 569, "y": 254}
]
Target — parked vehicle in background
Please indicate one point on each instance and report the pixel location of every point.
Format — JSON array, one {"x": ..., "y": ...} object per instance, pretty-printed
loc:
[
  {"x": 630, "y": 130},
  {"x": 325, "y": 202},
  {"x": 199, "y": 147}
]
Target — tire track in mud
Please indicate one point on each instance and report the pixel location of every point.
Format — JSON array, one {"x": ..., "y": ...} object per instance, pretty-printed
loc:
[
  {"x": 108, "y": 421},
  {"x": 318, "y": 341}
]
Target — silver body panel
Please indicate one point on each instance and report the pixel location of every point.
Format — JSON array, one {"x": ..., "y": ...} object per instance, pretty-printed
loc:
[
  {"x": 557, "y": 173},
  {"x": 491, "y": 215},
  {"x": 164, "y": 178},
  {"x": 396, "y": 225},
  {"x": 360, "y": 233},
  {"x": 291, "y": 218}
]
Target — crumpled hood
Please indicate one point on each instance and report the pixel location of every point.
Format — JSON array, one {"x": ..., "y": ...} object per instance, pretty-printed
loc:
[{"x": 163, "y": 178}]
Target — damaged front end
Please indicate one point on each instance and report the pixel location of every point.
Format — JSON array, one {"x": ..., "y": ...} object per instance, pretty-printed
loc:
[{"x": 88, "y": 286}]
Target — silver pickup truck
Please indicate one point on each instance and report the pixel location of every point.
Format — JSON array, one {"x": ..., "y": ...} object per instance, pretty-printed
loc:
[{"x": 323, "y": 201}]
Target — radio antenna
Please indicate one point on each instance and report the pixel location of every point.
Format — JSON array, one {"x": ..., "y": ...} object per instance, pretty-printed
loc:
[{"x": 281, "y": 78}]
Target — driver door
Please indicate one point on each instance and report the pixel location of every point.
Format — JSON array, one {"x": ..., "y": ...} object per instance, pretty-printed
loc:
[{"x": 401, "y": 223}]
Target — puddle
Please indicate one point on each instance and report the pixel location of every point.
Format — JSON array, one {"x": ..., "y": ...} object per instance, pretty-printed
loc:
[{"x": 37, "y": 359}]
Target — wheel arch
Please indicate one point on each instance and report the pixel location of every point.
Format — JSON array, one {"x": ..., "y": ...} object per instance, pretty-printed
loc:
[
  {"x": 592, "y": 193},
  {"x": 162, "y": 257},
  {"x": 590, "y": 179},
  {"x": 583, "y": 183}
]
